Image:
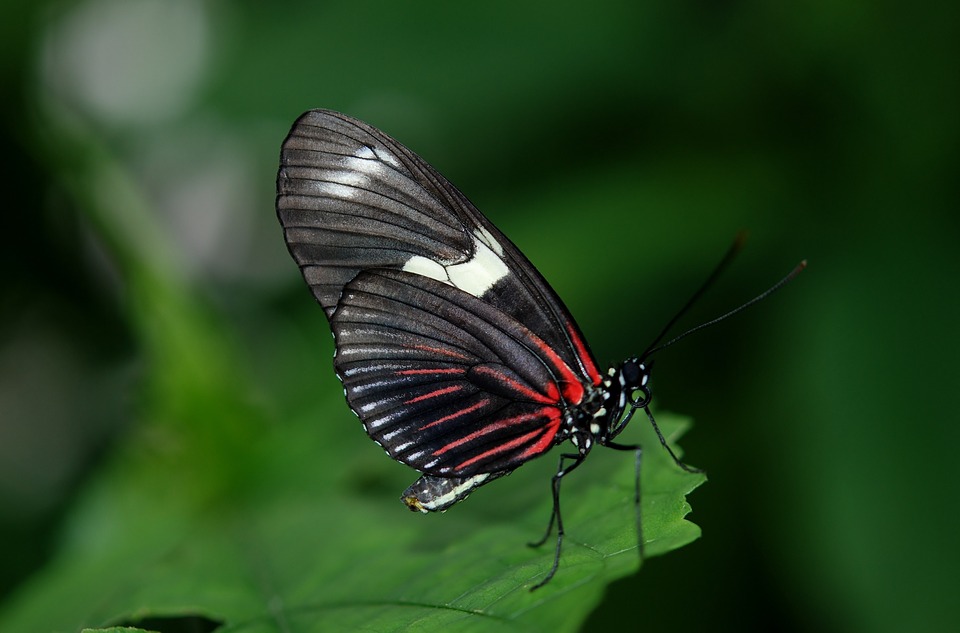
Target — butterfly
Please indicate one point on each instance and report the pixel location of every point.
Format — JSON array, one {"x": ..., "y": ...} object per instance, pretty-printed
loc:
[{"x": 458, "y": 357}]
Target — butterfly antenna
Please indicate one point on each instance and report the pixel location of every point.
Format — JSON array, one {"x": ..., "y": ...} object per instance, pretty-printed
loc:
[
  {"x": 760, "y": 297},
  {"x": 735, "y": 248}
]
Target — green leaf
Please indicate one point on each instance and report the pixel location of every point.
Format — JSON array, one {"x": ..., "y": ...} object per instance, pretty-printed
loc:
[{"x": 295, "y": 554}]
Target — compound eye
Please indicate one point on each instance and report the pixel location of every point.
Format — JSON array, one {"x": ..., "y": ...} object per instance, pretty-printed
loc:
[{"x": 631, "y": 374}]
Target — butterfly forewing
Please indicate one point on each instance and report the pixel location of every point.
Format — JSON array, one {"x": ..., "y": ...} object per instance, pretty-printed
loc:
[
  {"x": 443, "y": 381},
  {"x": 352, "y": 199}
]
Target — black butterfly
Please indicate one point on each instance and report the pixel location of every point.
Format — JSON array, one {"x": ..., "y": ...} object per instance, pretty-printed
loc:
[{"x": 457, "y": 356}]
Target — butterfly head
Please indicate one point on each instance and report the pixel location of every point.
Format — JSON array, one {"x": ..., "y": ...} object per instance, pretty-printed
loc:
[{"x": 625, "y": 389}]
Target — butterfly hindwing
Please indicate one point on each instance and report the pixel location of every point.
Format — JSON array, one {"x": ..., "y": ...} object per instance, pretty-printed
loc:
[{"x": 445, "y": 382}]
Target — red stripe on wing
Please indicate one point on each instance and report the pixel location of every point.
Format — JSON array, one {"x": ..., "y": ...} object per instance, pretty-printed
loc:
[
  {"x": 552, "y": 397},
  {"x": 433, "y": 394},
  {"x": 547, "y": 434},
  {"x": 443, "y": 351},
  {"x": 418, "y": 372},
  {"x": 570, "y": 385},
  {"x": 490, "y": 428},
  {"x": 586, "y": 358},
  {"x": 458, "y": 414}
]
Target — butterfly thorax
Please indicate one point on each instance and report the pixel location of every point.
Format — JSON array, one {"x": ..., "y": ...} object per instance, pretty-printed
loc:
[{"x": 599, "y": 417}]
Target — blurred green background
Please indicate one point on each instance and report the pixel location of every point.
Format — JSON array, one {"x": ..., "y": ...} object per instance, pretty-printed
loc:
[{"x": 622, "y": 145}]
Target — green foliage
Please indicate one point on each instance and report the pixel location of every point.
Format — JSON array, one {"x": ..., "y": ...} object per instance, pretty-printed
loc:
[
  {"x": 621, "y": 145},
  {"x": 294, "y": 551},
  {"x": 216, "y": 508}
]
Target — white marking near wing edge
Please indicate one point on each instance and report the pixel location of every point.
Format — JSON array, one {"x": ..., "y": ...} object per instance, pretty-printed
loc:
[
  {"x": 487, "y": 238},
  {"x": 419, "y": 265},
  {"x": 363, "y": 164},
  {"x": 387, "y": 157},
  {"x": 375, "y": 423},
  {"x": 335, "y": 190},
  {"x": 475, "y": 276},
  {"x": 357, "y": 172},
  {"x": 455, "y": 493}
]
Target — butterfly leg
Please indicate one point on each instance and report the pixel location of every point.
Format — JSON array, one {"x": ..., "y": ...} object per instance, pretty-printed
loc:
[
  {"x": 663, "y": 441},
  {"x": 555, "y": 516}
]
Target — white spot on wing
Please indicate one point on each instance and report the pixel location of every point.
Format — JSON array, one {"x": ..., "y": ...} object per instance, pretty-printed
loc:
[
  {"x": 426, "y": 267},
  {"x": 357, "y": 172},
  {"x": 457, "y": 492},
  {"x": 347, "y": 177},
  {"x": 359, "y": 389},
  {"x": 387, "y": 157},
  {"x": 353, "y": 350},
  {"x": 335, "y": 190},
  {"x": 365, "y": 168},
  {"x": 376, "y": 423},
  {"x": 485, "y": 236},
  {"x": 370, "y": 406},
  {"x": 360, "y": 369},
  {"x": 386, "y": 437},
  {"x": 475, "y": 276}
]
